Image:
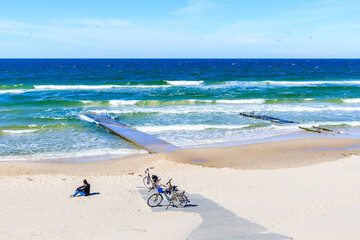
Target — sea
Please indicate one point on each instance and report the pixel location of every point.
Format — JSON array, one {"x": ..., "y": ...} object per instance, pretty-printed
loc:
[{"x": 187, "y": 102}]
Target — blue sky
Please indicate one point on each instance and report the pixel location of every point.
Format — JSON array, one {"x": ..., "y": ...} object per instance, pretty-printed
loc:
[{"x": 180, "y": 28}]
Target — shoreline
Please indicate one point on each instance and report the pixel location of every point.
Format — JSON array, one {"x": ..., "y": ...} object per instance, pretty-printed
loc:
[
  {"x": 300, "y": 134},
  {"x": 344, "y": 134},
  {"x": 262, "y": 155},
  {"x": 272, "y": 155}
]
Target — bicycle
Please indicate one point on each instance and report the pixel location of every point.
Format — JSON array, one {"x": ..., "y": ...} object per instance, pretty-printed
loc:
[
  {"x": 169, "y": 189},
  {"x": 175, "y": 197},
  {"x": 150, "y": 182}
]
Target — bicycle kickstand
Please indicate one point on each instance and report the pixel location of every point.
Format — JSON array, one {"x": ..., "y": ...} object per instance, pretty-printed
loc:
[{"x": 168, "y": 205}]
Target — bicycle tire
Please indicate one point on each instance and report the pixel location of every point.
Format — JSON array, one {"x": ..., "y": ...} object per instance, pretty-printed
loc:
[
  {"x": 179, "y": 201},
  {"x": 155, "y": 200},
  {"x": 147, "y": 182}
]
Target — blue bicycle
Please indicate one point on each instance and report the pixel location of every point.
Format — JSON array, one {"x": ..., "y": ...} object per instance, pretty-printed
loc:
[{"x": 175, "y": 197}]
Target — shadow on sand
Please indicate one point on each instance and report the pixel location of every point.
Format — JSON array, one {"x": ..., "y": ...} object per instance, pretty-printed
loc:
[{"x": 218, "y": 222}]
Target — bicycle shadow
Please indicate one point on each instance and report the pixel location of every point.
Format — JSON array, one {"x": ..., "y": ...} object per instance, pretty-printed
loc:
[
  {"x": 166, "y": 205},
  {"x": 218, "y": 222}
]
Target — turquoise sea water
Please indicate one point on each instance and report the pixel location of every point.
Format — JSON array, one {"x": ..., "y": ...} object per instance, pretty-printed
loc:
[{"x": 183, "y": 101}]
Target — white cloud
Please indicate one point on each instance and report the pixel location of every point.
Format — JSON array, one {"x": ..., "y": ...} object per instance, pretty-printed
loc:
[{"x": 8, "y": 25}]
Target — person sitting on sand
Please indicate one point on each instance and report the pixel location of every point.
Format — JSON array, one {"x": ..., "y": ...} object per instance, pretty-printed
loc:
[{"x": 84, "y": 190}]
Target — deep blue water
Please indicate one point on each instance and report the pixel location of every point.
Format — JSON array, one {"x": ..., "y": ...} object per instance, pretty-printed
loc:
[{"x": 183, "y": 101}]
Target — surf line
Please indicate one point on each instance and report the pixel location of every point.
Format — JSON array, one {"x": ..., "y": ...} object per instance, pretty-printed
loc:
[{"x": 143, "y": 140}]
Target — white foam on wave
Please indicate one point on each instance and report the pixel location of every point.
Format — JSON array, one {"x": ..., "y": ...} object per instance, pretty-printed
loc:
[
  {"x": 200, "y": 101},
  {"x": 85, "y": 118},
  {"x": 181, "y": 83},
  {"x": 146, "y": 86},
  {"x": 228, "y": 109},
  {"x": 200, "y": 127},
  {"x": 74, "y": 87},
  {"x": 12, "y": 91},
  {"x": 87, "y": 102},
  {"x": 8, "y": 131},
  {"x": 242, "y": 101},
  {"x": 192, "y": 101},
  {"x": 184, "y": 83},
  {"x": 311, "y": 124},
  {"x": 50, "y": 117},
  {"x": 281, "y": 126},
  {"x": 334, "y": 123},
  {"x": 165, "y": 111},
  {"x": 91, "y": 87},
  {"x": 92, "y": 103},
  {"x": 122, "y": 102},
  {"x": 309, "y": 83},
  {"x": 351, "y": 100},
  {"x": 315, "y": 109},
  {"x": 96, "y": 153}
]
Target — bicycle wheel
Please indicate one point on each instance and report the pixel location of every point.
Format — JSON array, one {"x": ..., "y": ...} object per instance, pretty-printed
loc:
[
  {"x": 147, "y": 182},
  {"x": 154, "y": 200},
  {"x": 179, "y": 201}
]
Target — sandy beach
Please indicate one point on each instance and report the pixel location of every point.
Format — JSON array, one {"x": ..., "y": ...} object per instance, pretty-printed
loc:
[
  {"x": 304, "y": 189},
  {"x": 247, "y": 113}
]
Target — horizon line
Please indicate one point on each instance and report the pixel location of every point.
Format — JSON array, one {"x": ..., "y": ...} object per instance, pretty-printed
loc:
[{"x": 352, "y": 58}]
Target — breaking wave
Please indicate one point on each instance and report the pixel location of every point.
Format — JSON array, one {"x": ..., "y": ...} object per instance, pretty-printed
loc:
[
  {"x": 154, "y": 129},
  {"x": 184, "y": 83}
]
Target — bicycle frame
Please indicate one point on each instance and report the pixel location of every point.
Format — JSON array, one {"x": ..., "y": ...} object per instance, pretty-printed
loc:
[{"x": 173, "y": 196}]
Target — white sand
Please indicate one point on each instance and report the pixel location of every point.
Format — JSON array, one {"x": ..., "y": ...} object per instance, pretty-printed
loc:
[
  {"x": 42, "y": 209},
  {"x": 309, "y": 202}
]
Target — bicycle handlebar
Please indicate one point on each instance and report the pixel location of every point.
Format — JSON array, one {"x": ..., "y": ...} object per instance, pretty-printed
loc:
[
  {"x": 169, "y": 181},
  {"x": 147, "y": 170}
]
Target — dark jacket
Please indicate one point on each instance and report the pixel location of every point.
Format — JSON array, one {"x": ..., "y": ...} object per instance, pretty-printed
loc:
[{"x": 85, "y": 189}]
